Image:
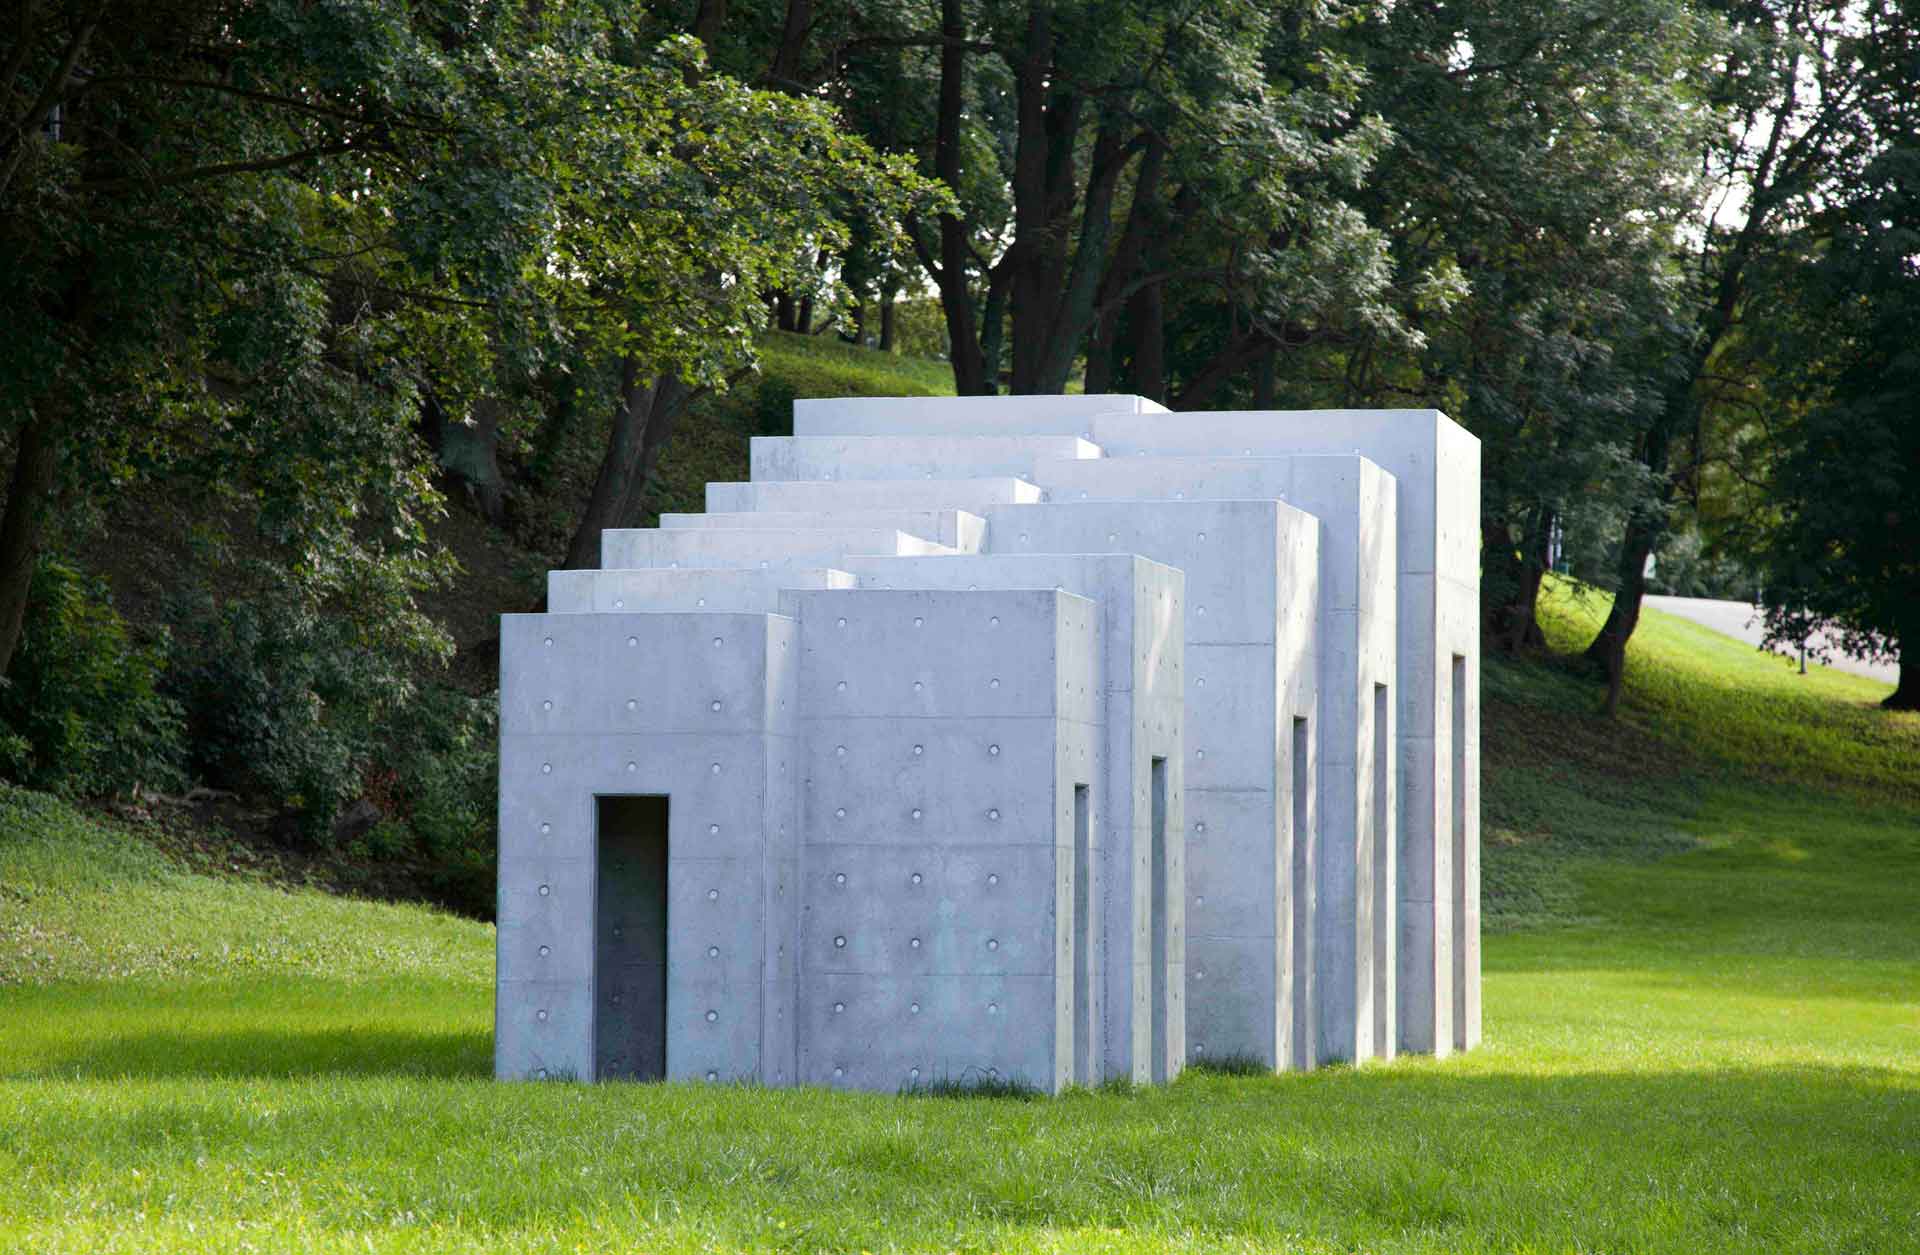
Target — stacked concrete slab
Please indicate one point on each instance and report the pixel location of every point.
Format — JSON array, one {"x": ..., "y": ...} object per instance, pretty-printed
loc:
[{"x": 954, "y": 747}]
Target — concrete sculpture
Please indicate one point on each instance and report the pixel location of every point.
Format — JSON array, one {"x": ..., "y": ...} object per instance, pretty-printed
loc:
[{"x": 1055, "y": 739}]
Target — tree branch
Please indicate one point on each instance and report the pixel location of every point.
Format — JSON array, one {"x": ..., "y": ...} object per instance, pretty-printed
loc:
[{"x": 221, "y": 170}]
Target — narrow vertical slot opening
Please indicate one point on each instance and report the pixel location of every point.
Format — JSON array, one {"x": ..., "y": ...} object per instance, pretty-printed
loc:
[
  {"x": 1083, "y": 957},
  {"x": 1384, "y": 886},
  {"x": 1458, "y": 745},
  {"x": 1302, "y": 921},
  {"x": 630, "y": 938},
  {"x": 1157, "y": 911}
]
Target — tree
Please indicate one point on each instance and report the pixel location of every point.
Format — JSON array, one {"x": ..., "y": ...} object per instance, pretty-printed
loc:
[
  {"x": 1843, "y": 557},
  {"x": 1791, "y": 80},
  {"x": 263, "y": 246},
  {"x": 1531, "y": 198}
]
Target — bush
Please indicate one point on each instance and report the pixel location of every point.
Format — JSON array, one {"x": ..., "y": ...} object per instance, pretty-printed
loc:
[
  {"x": 447, "y": 791},
  {"x": 81, "y": 711},
  {"x": 285, "y": 702}
]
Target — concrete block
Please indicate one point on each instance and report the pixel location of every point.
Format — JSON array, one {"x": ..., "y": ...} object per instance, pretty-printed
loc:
[
  {"x": 913, "y": 760},
  {"x": 1436, "y": 466},
  {"x": 624, "y": 804},
  {"x": 751, "y": 547},
  {"x": 1251, "y": 615},
  {"x": 907, "y": 457},
  {"x": 947, "y": 733},
  {"x": 961, "y": 416},
  {"x": 972, "y": 495},
  {"x": 750, "y": 589},
  {"x": 1139, "y": 641},
  {"x": 956, "y": 529}
]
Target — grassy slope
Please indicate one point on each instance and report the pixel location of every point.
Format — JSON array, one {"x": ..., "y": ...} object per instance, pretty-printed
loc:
[{"x": 1703, "y": 1033}]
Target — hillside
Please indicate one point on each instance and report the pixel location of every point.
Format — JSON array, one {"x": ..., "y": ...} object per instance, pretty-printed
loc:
[{"x": 1703, "y": 990}]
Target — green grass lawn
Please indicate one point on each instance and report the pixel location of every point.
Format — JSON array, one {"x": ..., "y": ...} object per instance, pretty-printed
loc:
[{"x": 1702, "y": 1018}]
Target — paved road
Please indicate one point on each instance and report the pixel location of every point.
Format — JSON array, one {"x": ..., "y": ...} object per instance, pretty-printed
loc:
[{"x": 1742, "y": 622}]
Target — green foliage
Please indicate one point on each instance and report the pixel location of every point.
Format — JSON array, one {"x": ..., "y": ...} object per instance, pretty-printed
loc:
[
  {"x": 286, "y": 701},
  {"x": 972, "y": 1083},
  {"x": 1230, "y": 1065},
  {"x": 446, "y": 766},
  {"x": 82, "y": 710},
  {"x": 1844, "y": 481},
  {"x": 920, "y": 331},
  {"x": 713, "y": 446}
]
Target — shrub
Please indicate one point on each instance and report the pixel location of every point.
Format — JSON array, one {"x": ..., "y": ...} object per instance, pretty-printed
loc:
[
  {"x": 81, "y": 710},
  {"x": 447, "y": 769},
  {"x": 285, "y": 702}
]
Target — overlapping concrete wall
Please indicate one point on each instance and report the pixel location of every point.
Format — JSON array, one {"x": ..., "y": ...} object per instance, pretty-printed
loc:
[
  {"x": 942, "y": 736},
  {"x": 1252, "y": 580},
  {"x": 1196, "y": 664},
  {"x": 1436, "y": 466},
  {"x": 1139, "y": 646},
  {"x": 595, "y": 705},
  {"x": 1356, "y": 649}
]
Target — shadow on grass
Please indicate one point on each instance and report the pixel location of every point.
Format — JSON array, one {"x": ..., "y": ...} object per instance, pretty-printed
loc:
[{"x": 267, "y": 1053}]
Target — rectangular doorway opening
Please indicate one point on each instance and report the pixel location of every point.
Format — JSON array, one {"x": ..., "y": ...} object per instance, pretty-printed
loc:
[
  {"x": 1384, "y": 886},
  {"x": 1083, "y": 972},
  {"x": 1458, "y": 747},
  {"x": 1302, "y": 909},
  {"x": 630, "y": 938},
  {"x": 1157, "y": 912}
]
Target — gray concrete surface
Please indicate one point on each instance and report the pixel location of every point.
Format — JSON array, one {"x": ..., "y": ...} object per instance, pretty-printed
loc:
[{"x": 1052, "y": 738}]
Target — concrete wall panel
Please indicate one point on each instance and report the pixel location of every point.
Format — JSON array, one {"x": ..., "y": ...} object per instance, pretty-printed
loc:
[
  {"x": 972, "y": 495},
  {"x": 961, "y": 416},
  {"x": 750, "y": 547},
  {"x": 956, "y": 529},
  {"x": 906, "y": 457}
]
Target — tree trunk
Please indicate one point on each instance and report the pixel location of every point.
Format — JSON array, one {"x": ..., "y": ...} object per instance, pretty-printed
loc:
[
  {"x": 643, "y": 418},
  {"x": 1143, "y": 216},
  {"x": 1078, "y": 291},
  {"x": 970, "y": 371},
  {"x": 1906, "y": 694},
  {"x": 34, "y": 465},
  {"x": 785, "y": 71},
  {"x": 887, "y": 325},
  {"x": 1264, "y": 379},
  {"x": 708, "y": 18},
  {"x": 1147, "y": 340},
  {"x": 1514, "y": 568},
  {"x": 1609, "y": 647},
  {"x": 1645, "y": 526},
  {"x": 1245, "y": 350},
  {"x": 1051, "y": 290},
  {"x": 783, "y": 310}
]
